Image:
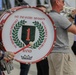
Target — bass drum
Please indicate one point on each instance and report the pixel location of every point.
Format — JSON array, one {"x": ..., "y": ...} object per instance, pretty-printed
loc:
[{"x": 23, "y": 25}]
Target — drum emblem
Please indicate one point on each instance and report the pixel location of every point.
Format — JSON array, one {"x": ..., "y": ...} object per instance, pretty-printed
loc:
[{"x": 28, "y": 34}]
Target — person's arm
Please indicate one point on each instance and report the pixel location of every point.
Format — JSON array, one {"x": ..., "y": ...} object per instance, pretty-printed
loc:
[
  {"x": 72, "y": 15},
  {"x": 6, "y": 55},
  {"x": 72, "y": 18},
  {"x": 72, "y": 29}
]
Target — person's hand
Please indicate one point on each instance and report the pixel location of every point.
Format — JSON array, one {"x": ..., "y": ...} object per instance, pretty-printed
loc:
[
  {"x": 7, "y": 61},
  {"x": 73, "y": 13},
  {"x": 9, "y": 56}
]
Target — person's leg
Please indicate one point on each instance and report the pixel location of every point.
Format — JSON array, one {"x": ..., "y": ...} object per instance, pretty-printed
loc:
[
  {"x": 42, "y": 67},
  {"x": 71, "y": 64},
  {"x": 51, "y": 67},
  {"x": 74, "y": 47},
  {"x": 56, "y": 63},
  {"x": 63, "y": 64},
  {"x": 0, "y": 72},
  {"x": 24, "y": 69},
  {"x": 39, "y": 72}
]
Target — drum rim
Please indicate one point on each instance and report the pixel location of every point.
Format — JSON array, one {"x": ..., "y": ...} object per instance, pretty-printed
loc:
[{"x": 22, "y": 7}]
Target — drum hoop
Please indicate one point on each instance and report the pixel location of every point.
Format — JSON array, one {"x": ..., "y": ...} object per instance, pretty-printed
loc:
[{"x": 12, "y": 10}]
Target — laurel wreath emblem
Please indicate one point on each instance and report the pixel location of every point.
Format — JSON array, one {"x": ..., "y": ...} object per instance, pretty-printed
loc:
[
  {"x": 41, "y": 34},
  {"x": 15, "y": 33},
  {"x": 21, "y": 44}
]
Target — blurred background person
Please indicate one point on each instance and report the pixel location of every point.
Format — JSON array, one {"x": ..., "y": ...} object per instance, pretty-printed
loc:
[
  {"x": 24, "y": 68},
  {"x": 73, "y": 16},
  {"x": 42, "y": 66}
]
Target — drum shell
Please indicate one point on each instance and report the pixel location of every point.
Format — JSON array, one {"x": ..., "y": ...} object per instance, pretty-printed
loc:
[{"x": 42, "y": 35}]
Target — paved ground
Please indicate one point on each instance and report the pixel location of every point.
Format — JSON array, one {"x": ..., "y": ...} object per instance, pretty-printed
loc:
[{"x": 32, "y": 70}]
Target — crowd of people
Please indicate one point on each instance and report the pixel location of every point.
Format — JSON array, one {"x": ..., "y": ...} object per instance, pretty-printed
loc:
[{"x": 62, "y": 60}]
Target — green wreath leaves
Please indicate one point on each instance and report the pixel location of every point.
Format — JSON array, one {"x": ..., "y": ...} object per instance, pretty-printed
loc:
[
  {"x": 19, "y": 43},
  {"x": 15, "y": 33},
  {"x": 41, "y": 34}
]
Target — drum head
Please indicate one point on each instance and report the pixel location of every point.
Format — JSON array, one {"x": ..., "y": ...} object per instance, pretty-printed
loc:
[{"x": 28, "y": 24}]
